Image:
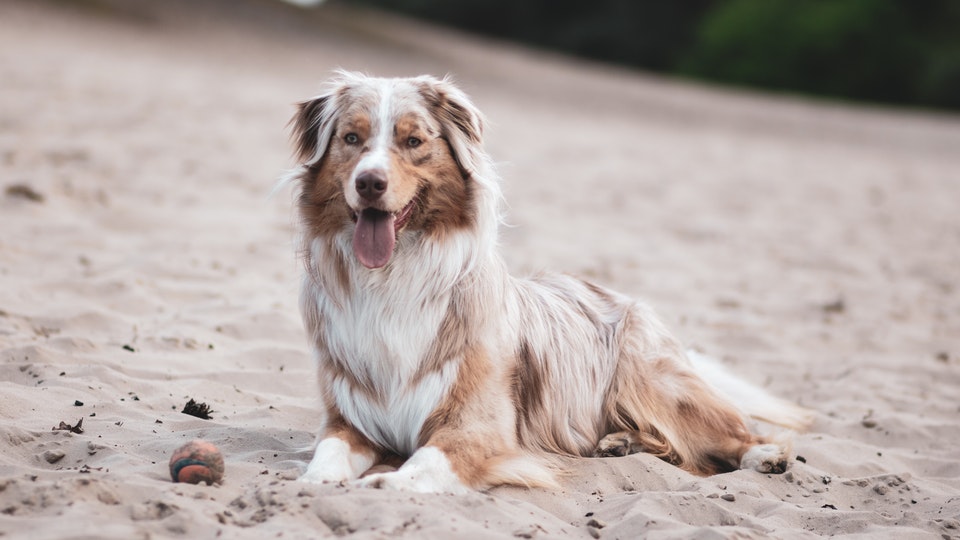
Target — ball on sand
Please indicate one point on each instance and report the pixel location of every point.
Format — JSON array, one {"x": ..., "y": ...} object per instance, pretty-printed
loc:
[{"x": 195, "y": 462}]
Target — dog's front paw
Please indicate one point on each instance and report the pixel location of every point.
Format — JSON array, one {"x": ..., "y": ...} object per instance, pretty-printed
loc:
[
  {"x": 427, "y": 471},
  {"x": 765, "y": 458},
  {"x": 333, "y": 462},
  {"x": 414, "y": 481},
  {"x": 389, "y": 480},
  {"x": 328, "y": 471},
  {"x": 321, "y": 476}
]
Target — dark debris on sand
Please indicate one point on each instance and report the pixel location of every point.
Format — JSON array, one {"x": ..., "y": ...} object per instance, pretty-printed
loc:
[
  {"x": 200, "y": 410},
  {"x": 78, "y": 428}
]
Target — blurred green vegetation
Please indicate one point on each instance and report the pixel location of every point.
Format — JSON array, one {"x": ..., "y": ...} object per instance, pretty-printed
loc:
[{"x": 905, "y": 52}]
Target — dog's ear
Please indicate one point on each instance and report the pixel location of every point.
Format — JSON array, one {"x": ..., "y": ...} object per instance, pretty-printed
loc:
[
  {"x": 460, "y": 121},
  {"x": 309, "y": 132},
  {"x": 316, "y": 118}
]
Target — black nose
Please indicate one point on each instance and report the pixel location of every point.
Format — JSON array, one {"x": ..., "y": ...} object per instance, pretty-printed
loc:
[{"x": 371, "y": 185}]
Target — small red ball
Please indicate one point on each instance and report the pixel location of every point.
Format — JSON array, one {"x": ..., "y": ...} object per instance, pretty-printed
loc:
[{"x": 195, "y": 462}]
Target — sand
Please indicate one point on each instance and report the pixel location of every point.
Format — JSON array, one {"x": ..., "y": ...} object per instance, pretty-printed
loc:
[{"x": 814, "y": 247}]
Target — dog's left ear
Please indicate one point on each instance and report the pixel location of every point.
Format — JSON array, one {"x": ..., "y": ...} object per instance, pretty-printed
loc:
[{"x": 461, "y": 123}]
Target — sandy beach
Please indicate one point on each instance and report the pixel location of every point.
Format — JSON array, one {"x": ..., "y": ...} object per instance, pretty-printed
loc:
[{"x": 812, "y": 246}]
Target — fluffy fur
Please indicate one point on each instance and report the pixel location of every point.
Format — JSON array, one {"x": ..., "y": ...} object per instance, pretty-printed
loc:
[{"x": 432, "y": 357}]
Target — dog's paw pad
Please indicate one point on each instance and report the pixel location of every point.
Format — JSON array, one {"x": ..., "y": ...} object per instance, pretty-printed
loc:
[
  {"x": 615, "y": 445},
  {"x": 765, "y": 458}
]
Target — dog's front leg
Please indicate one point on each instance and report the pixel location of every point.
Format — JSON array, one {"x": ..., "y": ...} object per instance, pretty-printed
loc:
[
  {"x": 468, "y": 441},
  {"x": 429, "y": 470},
  {"x": 343, "y": 454}
]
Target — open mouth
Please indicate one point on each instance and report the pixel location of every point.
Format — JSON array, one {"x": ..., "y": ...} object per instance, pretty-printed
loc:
[{"x": 376, "y": 234}]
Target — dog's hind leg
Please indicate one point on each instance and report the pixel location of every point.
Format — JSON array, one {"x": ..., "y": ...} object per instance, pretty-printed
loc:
[
  {"x": 689, "y": 426},
  {"x": 658, "y": 404},
  {"x": 624, "y": 443},
  {"x": 619, "y": 444}
]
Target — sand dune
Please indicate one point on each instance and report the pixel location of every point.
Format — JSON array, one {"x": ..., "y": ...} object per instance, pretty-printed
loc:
[{"x": 811, "y": 246}]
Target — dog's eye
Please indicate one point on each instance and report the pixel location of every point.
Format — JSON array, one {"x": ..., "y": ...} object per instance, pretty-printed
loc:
[
  {"x": 414, "y": 142},
  {"x": 351, "y": 138}
]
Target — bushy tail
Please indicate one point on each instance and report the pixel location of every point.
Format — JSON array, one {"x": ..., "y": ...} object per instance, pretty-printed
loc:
[{"x": 751, "y": 400}]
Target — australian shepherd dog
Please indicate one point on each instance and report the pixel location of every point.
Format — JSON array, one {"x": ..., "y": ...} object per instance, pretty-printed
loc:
[{"x": 434, "y": 360}]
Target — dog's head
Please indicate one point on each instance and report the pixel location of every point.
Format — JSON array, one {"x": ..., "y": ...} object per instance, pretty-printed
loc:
[{"x": 385, "y": 156}]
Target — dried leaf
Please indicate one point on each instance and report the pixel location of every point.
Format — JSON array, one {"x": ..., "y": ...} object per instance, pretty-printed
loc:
[{"x": 78, "y": 429}]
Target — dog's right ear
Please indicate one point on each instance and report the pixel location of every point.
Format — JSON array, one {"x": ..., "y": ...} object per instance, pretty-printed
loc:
[
  {"x": 315, "y": 121},
  {"x": 309, "y": 139},
  {"x": 316, "y": 118}
]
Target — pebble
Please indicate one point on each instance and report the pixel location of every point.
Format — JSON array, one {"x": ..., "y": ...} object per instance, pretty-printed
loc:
[
  {"x": 728, "y": 497},
  {"x": 596, "y": 523},
  {"x": 53, "y": 456}
]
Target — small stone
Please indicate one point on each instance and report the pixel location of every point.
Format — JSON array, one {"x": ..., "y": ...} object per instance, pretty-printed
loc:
[
  {"x": 596, "y": 523},
  {"x": 594, "y": 532},
  {"x": 289, "y": 474},
  {"x": 837, "y": 306},
  {"x": 53, "y": 456},
  {"x": 881, "y": 489},
  {"x": 24, "y": 191},
  {"x": 868, "y": 423},
  {"x": 528, "y": 532},
  {"x": 728, "y": 497}
]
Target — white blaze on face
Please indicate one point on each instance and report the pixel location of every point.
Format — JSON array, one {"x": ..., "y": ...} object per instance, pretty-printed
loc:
[
  {"x": 375, "y": 236},
  {"x": 377, "y": 157}
]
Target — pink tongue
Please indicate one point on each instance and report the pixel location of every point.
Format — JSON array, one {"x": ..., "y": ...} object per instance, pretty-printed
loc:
[{"x": 374, "y": 238}]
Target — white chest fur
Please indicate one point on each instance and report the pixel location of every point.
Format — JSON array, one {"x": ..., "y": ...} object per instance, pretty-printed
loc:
[
  {"x": 395, "y": 421},
  {"x": 378, "y": 334}
]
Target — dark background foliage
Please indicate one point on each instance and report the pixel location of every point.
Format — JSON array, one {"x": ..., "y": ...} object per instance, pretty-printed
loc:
[{"x": 905, "y": 52}]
